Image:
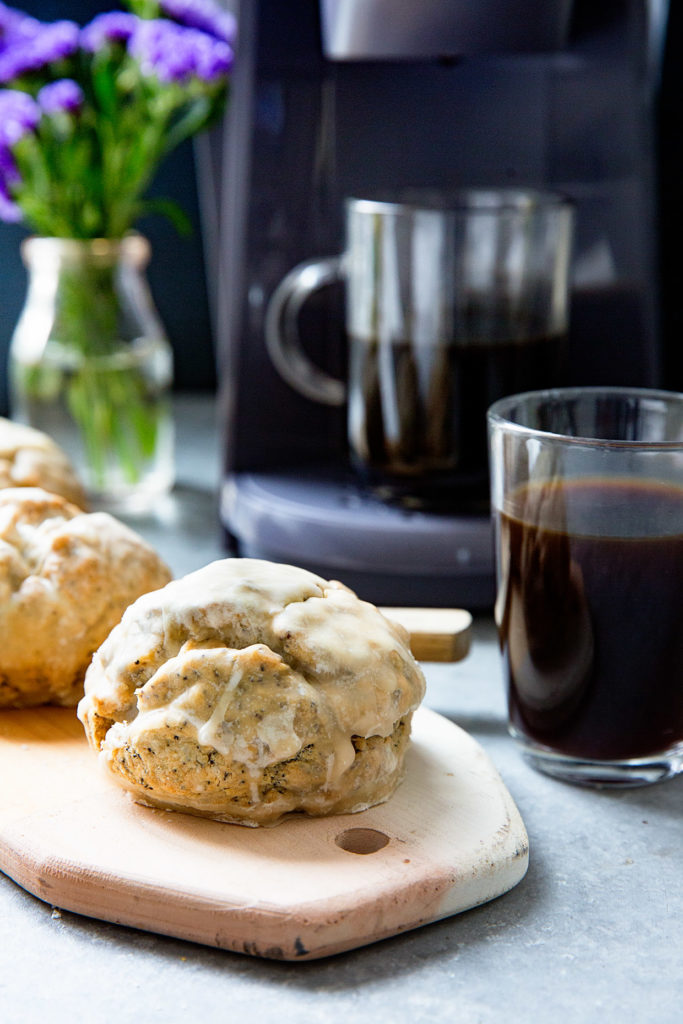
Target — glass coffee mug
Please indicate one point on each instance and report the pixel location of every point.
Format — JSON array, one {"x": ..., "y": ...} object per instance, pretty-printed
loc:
[
  {"x": 448, "y": 307},
  {"x": 587, "y": 501}
]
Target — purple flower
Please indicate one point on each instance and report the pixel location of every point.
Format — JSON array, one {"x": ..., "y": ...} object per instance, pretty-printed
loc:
[
  {"x": 62, "y": 96},
  {"x": 105, "y": 29},
  {"x": 173, "y": 53},
  {"x": 19, "y": 115},
  {"x": 213, "y": 58},
  {"x": 50, "y": 43},
  {"x": 10, "y": 212},
  {"x": 15, "y": 26},
  {"x": 201, "y": 14},
  {"x": 9, "y": 172}
]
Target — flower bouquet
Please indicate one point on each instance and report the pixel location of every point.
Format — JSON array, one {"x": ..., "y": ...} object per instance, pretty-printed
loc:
[{"x": 87, "y": 114}]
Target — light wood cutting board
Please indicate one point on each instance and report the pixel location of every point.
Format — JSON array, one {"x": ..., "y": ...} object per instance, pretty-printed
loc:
[{"x": 449, "y": 839}]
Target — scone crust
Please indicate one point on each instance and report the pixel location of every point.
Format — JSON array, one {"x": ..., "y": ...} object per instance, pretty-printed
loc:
[
  {"x": 248, "y": 690},
  {"x": 66, "y": 577},
  {"x": 29, "y": 458}
]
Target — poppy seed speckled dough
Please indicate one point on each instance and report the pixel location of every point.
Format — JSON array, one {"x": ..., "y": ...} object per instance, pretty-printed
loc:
[{"x": 250, "y": 689}]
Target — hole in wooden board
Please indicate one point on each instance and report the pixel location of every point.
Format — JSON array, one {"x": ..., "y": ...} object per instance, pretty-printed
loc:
[{"x": 362, "y": 840}]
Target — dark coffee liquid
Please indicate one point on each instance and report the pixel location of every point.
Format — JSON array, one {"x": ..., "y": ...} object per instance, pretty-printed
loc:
[
  {"x": 590, "y": 616},
  {"x": 417, "y": 415}
]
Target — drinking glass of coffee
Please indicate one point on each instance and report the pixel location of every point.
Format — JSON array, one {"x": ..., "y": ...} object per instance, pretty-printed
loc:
[
  {"x": 451, "y": 303},
  {"x": 587, "y": 502}
]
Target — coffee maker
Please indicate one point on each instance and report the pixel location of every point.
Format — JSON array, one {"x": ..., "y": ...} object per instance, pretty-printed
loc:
[{"x": 335, "y": 98}]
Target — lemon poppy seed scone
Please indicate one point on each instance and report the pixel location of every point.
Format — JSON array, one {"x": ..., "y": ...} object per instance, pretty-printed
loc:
[
  {"x": 29, "y": 458},
  {"x": 66, "y": 577},
  {"x": 250, "y": 689}
]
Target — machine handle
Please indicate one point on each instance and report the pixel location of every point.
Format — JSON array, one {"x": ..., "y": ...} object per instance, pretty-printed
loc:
[{"x": 282, "y": 331}]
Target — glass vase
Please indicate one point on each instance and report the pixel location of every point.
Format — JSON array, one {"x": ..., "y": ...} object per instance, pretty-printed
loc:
[{"x": 90, "y": 365}]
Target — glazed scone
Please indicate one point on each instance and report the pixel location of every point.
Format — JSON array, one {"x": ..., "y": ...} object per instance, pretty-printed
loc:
[
  {"x": 29, "y": 458},
  {"x": 250, "y": 689},
  {"x": 66, "y": 577}
]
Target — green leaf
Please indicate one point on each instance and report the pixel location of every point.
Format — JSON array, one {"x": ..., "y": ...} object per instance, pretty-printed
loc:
[
  {"x": 144, "y": 8},
  {"x": 104, "y": 87},
  {"x": 172, "y": 211}
]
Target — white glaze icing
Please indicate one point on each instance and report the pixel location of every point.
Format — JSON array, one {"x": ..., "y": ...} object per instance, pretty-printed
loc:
[{"x": 234, "y": 655}]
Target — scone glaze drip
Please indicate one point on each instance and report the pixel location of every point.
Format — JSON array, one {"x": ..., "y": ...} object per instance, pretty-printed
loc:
[
  {"x": 249, "y": 689},
  {"x": 212, "y": 733}
]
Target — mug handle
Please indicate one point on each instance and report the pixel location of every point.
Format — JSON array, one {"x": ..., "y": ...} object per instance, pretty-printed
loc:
[{"x": 282, "y": 333}]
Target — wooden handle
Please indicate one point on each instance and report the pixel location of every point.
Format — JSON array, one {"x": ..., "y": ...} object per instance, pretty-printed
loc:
[{"x": 436, "y": 634}]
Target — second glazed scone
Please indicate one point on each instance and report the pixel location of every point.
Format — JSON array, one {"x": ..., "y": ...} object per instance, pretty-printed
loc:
[
  {"x": 29, "y": 458},
  {"x": 251, "y": 689},
  {"x": 66, "y": 577}
]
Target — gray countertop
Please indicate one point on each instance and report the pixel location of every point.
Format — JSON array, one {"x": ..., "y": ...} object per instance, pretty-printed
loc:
[{"x": 593, "y": 933}]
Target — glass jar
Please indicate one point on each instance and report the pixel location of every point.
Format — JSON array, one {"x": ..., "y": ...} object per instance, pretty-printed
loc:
[{"x": 90, "y": 365}]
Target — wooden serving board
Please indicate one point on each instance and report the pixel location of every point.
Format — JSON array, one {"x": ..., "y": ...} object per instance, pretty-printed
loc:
[{"x": 449, "y": 839}]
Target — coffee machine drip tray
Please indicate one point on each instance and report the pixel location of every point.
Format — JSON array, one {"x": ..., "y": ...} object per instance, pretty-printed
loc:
[{"x": 388, "y": 555}]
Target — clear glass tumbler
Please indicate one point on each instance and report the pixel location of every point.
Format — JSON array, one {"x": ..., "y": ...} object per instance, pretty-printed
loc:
[{"x": 587, "y": 501}]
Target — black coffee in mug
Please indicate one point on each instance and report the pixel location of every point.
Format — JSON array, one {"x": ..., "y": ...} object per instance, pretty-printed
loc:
[
  {"x": 417, "y": 415},
  {"x": 450, "y": 304}
]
